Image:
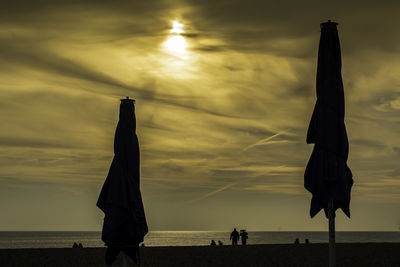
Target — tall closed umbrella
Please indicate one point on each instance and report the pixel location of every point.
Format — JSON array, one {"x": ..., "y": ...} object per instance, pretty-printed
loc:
[
  {"x": 120, "y": 198},
  {"x": 327, "y": 175}
]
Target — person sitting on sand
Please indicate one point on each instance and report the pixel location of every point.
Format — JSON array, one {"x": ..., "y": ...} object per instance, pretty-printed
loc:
[
  {"x": 296, "y": 241},
  {"x": 220, "y": 243},
  {"x": 80, "y": 245},
  {"x": 213, "y": 243},
  {"x": 307, "y": 241},
  {"x": 244, "y": 236},
  {"x": 75, "y": 245},
  {"x": 234, "y": 237}
]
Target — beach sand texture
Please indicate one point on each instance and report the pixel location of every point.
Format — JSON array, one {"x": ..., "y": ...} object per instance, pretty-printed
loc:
[{"x": 311, "y": 255}]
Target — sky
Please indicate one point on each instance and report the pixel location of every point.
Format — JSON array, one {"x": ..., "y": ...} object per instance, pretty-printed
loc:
[{"x": 224, "y": 93}]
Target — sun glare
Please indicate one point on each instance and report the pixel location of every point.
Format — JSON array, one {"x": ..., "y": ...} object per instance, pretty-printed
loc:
[
  {"x": 177, "y": 57},
  {"x": 177, "y": 27},
  {"x": 176, "y": 44}
]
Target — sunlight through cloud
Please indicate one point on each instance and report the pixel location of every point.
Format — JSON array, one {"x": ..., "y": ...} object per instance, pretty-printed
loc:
[
  {"x": 176, "y": 44},
  {"x": 177, "y": 27}
]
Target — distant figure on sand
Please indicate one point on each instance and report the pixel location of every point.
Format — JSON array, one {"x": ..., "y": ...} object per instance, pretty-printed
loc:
[
  {"x": 244, "y": 235},
  {"x": 307, "y": 241},
  {"x": 213, "y": 243},
  {"x": 234, "y": 236},
  {"x": 220, "y": 243},
  {"x": 296, "y": 242},
  {"x": 75, "y": 245},
  {"x": 80, "y": 245}
]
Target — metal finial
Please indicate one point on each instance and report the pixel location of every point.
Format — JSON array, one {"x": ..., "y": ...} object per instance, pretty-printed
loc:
[
  {"x": 329, "y": 24},
  {"x": 127, "y": 100}
]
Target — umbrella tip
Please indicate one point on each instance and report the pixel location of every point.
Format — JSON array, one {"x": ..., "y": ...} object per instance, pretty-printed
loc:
[
  {"x": 127, "y": 100},
  {"x": 329, "y": 24}
]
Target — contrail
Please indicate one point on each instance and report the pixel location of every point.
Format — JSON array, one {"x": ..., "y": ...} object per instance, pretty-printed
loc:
[
  {"x": 214, "y": 192},
  {"x": 221, "y": 189},
  {"x": 263, "y": 141}
]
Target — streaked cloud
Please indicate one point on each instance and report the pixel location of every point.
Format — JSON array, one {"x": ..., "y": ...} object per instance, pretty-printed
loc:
[{"x": 227, "y": 119}]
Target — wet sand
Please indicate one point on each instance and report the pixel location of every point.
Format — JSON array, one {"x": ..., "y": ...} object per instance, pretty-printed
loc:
[{"x": 348, "y": 255}]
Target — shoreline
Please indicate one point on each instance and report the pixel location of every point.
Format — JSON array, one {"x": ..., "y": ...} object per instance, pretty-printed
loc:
[
  {"x": 282, "y": 255},
  {"x": 225, "y": 245}
]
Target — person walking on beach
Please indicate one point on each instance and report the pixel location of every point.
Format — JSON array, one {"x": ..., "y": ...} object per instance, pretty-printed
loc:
[
  {"x": 244, "y": 236},
  {"x": 234, "y": 237}
]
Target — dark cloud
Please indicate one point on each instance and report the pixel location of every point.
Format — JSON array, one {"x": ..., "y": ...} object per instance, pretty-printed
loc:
[
  {"x": 41, "y": 11},
  {"x": 222, "y": 120},
  {"x": 369, "y": 144},
  {"x": 189, "y": 35},
  {"x": 33, "y": 143},
  {"x": 258, "y": 131},
  {"x": 259, "y": 24},
  {"x": 232, "y": 174},
  {"x": 232, "y": 68},
  {"x": 46, "y": 61},
  {"x": 211, "y": 48},
  {"x": 396, "y": 149}
]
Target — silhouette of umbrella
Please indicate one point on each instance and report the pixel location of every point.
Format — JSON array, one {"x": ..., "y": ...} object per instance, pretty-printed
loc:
[
  {"x": 120, "y": 198},
  {"x": 327, "y": 175}
]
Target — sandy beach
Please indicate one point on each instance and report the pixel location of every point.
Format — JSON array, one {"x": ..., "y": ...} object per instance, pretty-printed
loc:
[{"x": 348, "y": 255}]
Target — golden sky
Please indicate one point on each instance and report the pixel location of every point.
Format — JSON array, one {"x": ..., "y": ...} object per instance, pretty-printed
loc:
[{"x": 224, "y": 93}]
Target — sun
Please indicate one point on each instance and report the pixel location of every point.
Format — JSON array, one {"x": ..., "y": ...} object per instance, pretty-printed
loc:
[
  {"x": 176, "y": 43},
  {"x": 176, "y": 53},
  {"x": 177, "y": 27}
]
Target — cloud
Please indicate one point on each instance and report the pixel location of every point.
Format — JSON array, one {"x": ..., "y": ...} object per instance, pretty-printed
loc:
[
  {"x": 267, "y": 141},
  {"x": 263, "y": 20},
  {"x": 392, "y": 105},
  {"x": 229, "y": 117},
  {"x": 45, "y": 61},
  {"x": 287, "y": 189}
]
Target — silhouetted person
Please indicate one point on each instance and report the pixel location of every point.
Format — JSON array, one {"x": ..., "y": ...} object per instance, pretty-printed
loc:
[
  {"x": 213, "y": 243},
  {"x": 80, "y": 245},
  {"x": 234, "y": 236},
  {"x": 75, "y": 245},
  {"x": 244, "y": 235},
  {"x": 296, "y": 242},
  {"x": 220, "y": 243},
  {"x": 307, "y": 241}
]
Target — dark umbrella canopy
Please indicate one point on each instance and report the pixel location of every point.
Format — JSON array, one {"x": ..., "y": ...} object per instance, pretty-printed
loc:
[
  {"x": 327, "y": 175},
  {"x": 120, "y": 198}
]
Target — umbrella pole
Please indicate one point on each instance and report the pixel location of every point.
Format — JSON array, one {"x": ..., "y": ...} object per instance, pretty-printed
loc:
[
  {"x": 332, "y": 252},
  {"x": 124, "y": 260}
]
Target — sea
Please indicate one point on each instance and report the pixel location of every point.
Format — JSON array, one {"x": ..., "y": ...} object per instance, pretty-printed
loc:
[{"x": 54, "y": 239}]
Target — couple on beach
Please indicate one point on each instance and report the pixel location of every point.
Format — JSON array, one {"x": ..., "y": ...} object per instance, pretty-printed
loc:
[{"x": 235, "y": 236}]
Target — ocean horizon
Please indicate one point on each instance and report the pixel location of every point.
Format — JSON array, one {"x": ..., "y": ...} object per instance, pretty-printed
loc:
[{"x": 65, "y": 239}]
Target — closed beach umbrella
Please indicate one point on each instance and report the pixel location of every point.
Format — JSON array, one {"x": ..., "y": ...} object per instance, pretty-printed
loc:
[
  {"x": 327, "y": 175},
  {"x": 120, "y": 198}
]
